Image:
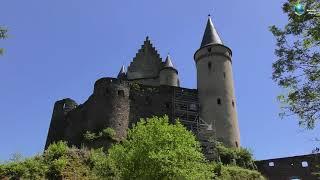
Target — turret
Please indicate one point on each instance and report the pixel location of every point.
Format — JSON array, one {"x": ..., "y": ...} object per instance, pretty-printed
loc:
[
  {"x": 122, "y": 73},
  {"x": 58, "y": 121},
  {"x": 215, "y": 87},
  {"x": 168, "y": 74}
]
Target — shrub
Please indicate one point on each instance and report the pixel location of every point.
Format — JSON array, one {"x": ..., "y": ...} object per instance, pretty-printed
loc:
[
  {"x": 90, "y": 136},
  {"x": 156, "y": 149},
  {"x": 109, "y": 133},
  {"x": 235, "y": 173},
  {"x": 235, "y": 156}
]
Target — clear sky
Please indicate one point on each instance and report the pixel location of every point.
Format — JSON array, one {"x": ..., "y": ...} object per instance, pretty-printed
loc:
[{"x": 57, "y": 49}]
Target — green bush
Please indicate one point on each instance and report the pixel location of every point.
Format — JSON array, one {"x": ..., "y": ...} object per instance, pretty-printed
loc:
[
  {"x": 109, "y": 133},
  {"x": 156, "y": 149},
  {"x": 235, "y": 156},
  {"x": 235, "y": 173},
  {"x": 101, "y": 165},
  {"x": 90, "y": 136}
]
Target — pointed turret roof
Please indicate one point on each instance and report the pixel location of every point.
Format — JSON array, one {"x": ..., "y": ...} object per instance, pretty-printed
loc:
[
  {"x": 122, "y": 72},
  {"x": 168, "y": 62},
  {"x": 211, "y": 35}
]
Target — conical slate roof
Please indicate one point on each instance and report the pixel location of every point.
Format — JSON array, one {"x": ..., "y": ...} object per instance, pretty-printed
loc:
[
  {"x": 122, "y": 72},
  {"x": 211, "y": 35},
  {"x": 168, "y": 62}
]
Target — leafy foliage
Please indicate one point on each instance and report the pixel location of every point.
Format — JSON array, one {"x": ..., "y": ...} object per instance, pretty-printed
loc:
[
  {"x": 235, "y": 156},
  {"x": 90, "y": 136},
  {"x": 3, "y": 35},
  {"x": 235, "y": 173},
  {"x": 109, "y": 133},
  {"x": 297, "y": 68},
  {"x": 154, "y": 149}
]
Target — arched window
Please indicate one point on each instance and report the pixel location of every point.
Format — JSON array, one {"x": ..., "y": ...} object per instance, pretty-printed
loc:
[
  {"x": 209, "y": 49},
  {"x": 209, "y": 66}
]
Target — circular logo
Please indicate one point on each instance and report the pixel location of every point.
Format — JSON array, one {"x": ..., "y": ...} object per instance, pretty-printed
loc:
[{"x": 299, "y": 9}]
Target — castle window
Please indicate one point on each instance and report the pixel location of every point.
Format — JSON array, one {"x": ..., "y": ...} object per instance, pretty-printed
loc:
[
  {"x": 304, "y": 164},
  {"x": 209, "y": 65},
  {"x": 132, "y": 98},
  {"x": 224, "y": 74},
  {"x": 121, "y": 93},
  {"x": 167, "y": 105},
  {"x": 237, "y": 145},
  {"x": 295, "y": 178},
  {"x": 209, "y": 49},
  {"x": 232, "y": 103},
  {"x": 148, "y": 100},
  {"x": 193, "y": 107},
  {"x": 219, "y": 101},
  {"x": 107, "y": 91},
  {"x": 271, "y": 164}
]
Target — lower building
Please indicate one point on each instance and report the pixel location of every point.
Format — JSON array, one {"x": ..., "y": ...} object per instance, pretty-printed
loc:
[{"x": 303, "y": 167}]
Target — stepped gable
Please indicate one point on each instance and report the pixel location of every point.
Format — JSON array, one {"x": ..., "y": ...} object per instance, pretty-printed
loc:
[{"x": 146, "y": 64}]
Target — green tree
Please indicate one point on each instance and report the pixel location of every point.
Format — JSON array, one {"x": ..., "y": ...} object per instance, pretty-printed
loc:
[
  {"x": 297, "y": 68},
  {"x": 3, "y": 35},
  {"x": 156, "y": 149}
]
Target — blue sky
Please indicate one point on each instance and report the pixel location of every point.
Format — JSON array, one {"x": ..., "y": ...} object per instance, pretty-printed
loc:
[{"x": 57, "y": 49}]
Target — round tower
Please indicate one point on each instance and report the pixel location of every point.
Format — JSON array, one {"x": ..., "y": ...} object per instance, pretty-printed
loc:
[
  {"x": 215, "y": 88},
  {"x": 109, "y": 106},
  {"x": 168, "y": 74}
]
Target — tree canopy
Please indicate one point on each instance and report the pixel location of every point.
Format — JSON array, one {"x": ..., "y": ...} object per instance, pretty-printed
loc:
[
  {"x": 154, "y": 149},
  {"x": 3, "y": 35},
  {"x": 297, "y": 68}
]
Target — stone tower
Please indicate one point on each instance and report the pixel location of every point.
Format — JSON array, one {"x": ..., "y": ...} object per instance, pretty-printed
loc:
[
  {"x": 215, "y": 88},
  {"x": 168, "y": 74}
]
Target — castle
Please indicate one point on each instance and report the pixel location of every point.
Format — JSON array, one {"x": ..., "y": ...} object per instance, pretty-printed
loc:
[{"x": 151, "y": 87}]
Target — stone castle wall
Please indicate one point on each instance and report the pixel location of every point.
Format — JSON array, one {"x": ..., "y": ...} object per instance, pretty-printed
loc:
[
  {"x": 114, "y": 103},
  {"x": 108, "y": 106}
]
